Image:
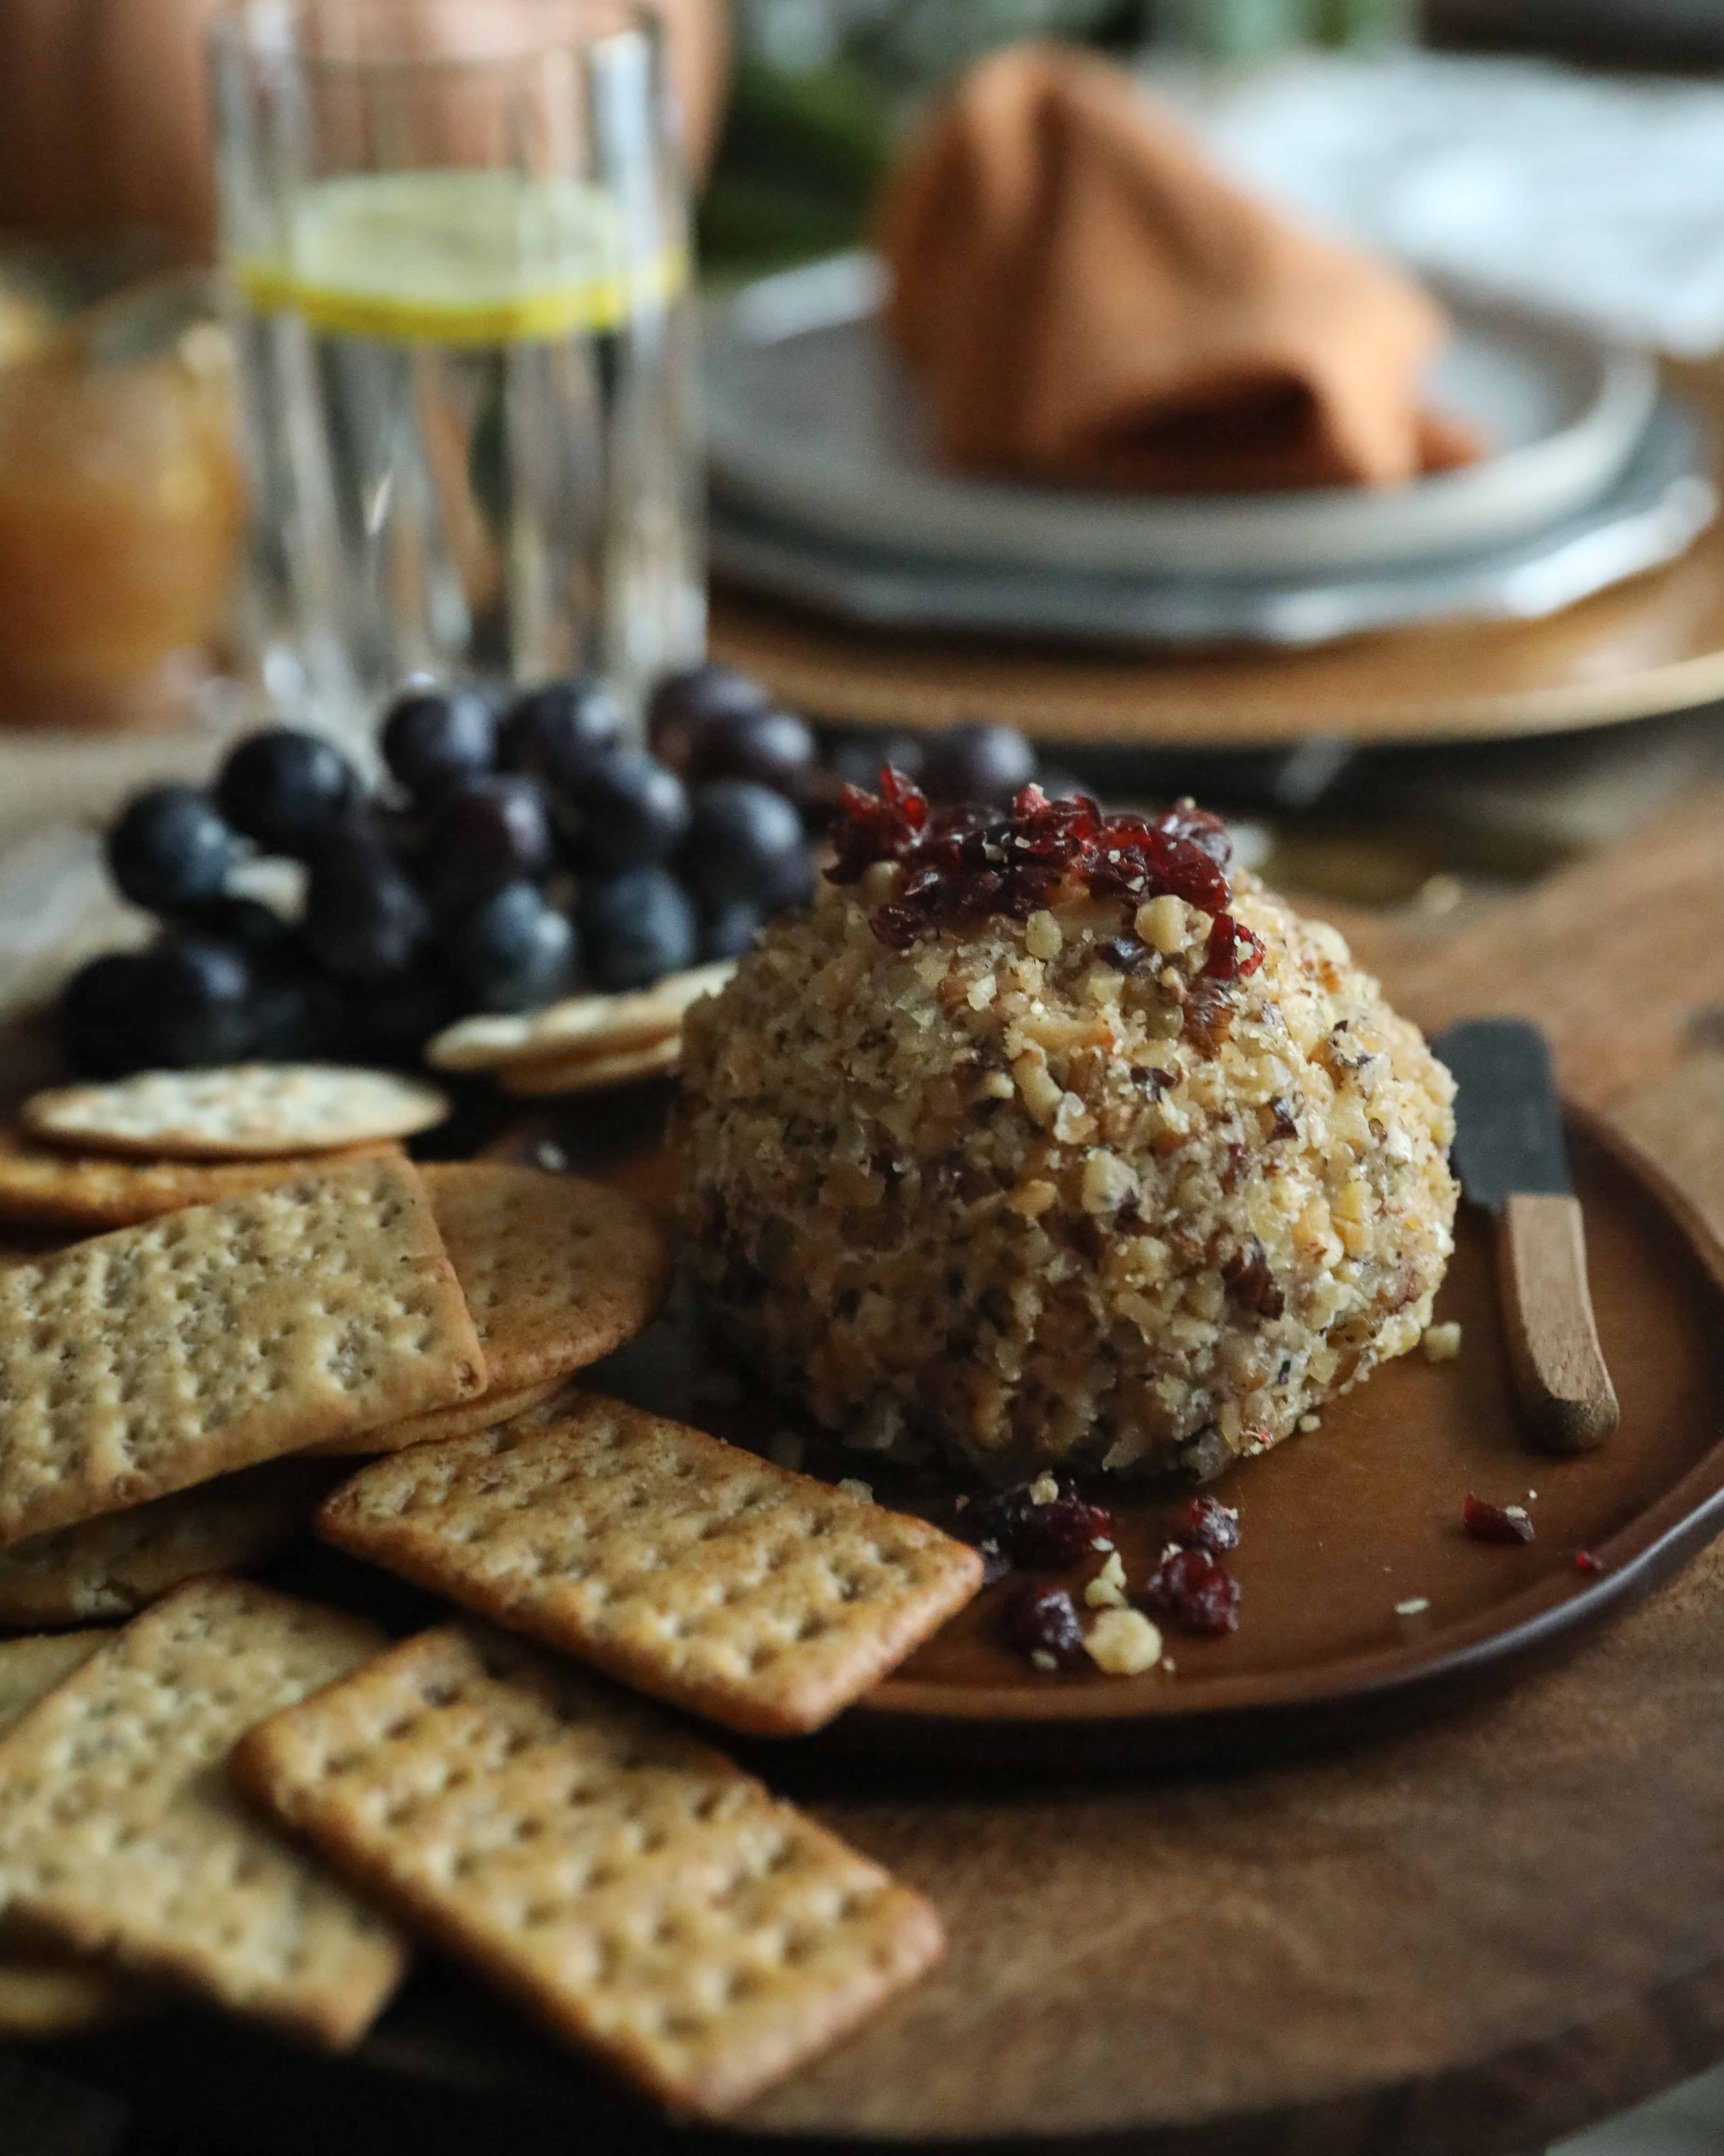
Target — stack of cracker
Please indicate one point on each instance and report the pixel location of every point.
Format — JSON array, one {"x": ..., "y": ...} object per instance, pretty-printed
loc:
[
  {"x": 256, "y": 1800},
  {"x": 584, "y": 1043}
]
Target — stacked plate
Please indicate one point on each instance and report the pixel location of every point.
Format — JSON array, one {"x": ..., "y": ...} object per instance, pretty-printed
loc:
[{"x": 824, "y": 492}]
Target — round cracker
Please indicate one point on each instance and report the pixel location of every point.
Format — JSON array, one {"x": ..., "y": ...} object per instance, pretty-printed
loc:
[
  {"x": 591, "y": 1074},
  {"x": 240, "y": 1111},
  {"x": 556, "y": 1271},
  {"x": 465, "y": 1420},
  {"x": 599, "y": 1024}
]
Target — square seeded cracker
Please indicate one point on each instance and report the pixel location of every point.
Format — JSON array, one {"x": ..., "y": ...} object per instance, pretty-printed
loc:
[
  {"x": 681, "y": 1565},
  {"x": 635, "y": 1891},
  {"x": 168, "y": 1353},
  {"x": 119, "y": 1836},
  {"x": 43, "y": 1993},
  {"x": 119, "y": 1563},
  {"x": 556, "y": 1272},
  {"x": 33, "y": 1665}
]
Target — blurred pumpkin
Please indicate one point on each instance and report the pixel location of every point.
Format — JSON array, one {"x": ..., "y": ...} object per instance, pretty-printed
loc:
[{"x": 103, "y": 120}]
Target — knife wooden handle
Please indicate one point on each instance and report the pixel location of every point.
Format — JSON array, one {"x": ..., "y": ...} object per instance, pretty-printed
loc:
[{"x": 1564, "y": 1388}]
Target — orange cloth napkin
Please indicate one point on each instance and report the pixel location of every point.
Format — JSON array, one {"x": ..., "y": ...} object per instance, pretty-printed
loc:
[{"x": 1084, "y": 300}]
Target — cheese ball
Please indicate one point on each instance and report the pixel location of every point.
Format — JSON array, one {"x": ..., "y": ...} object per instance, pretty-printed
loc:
[{"x": 1048, "y": 1193}]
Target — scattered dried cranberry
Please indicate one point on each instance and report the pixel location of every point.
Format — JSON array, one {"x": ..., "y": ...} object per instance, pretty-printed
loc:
[
  {"x": 1585, "y": 1562},
  {"x": 1210, "y": 1525},
  {"x": 969, "y": 860},
  {"x": 1492, "y": 1523},
  {"x": 1247, "y": 1274},
  {"x": 1058, "y": 1532},
  {"x": 1042, "y": 1621},
  {"x": 1222, "y": 961},
  {"x": 1194, "y": 1591}
]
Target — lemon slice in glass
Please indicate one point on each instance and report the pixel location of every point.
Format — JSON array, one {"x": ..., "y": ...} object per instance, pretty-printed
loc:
[{"x": 458, "y": 257}]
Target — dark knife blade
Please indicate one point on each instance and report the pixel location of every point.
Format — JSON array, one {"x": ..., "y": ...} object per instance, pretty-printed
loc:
[{"x": 1508, "y": 1122}]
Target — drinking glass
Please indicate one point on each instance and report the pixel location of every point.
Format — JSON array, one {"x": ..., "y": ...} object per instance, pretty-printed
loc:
[{"x": 455, "y": 238}]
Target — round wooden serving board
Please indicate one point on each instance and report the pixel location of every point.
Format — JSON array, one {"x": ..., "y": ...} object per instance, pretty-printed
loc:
[
  {"x": 1460, "y": 1937},
  {"x": 1655, "y": 644},
  {"x": 1337, "y": 1527}
]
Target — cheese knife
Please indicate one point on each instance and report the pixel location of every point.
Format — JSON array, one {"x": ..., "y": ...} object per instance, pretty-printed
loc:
[{"x": 1511, "y": 1158}]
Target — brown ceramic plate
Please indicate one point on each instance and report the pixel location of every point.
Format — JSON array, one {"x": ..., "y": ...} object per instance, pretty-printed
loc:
[{"x": 1340, "y": 1525}]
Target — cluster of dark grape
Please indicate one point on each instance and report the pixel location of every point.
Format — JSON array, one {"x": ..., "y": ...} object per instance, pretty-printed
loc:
[{"x": 515, "y": 854}]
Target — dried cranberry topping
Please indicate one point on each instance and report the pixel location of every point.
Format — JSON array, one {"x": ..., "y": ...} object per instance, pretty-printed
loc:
[
  {"x": 969, "y": 860},
  {"x": 1042, "y": 1621},
  {"x": 1248, "y": 1277},
  {"x": 1210, "y": 1525},
  {"x": 1194, "y": 1591},
  {"x": 1492, "y": 1523},
  {"x": 876, "y": 827},
  {"x": 1585, "y": 1562},
  {"x": 1223, "y": 960},
  {"x": 1058, "y": 1532}
]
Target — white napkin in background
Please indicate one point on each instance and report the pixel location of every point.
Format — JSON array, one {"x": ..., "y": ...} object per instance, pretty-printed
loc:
[{"x": 1597, "y": 197}]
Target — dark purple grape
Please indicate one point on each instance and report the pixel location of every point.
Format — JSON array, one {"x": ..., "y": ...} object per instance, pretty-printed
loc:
[
  {"x": 513, "y": 951},
  {"x": 773, "y": 748},
  {"x": 747, "y": 844},
  {"x": 106, "y": 1011},
  {"x": 730, "y": 932},
  {"x": 366, "y": 920},
  {"x": 203, "y": 993},
  {"x": 436, "y": 738},
  {"x": 257, "y": 929},
  {"x": 486, "y": 834},
  {"x": 287, "y": 1014},
  {"x": 638, "y": 927},
  {"x": 977, "y": 760},
  {"x": 292, "y": 1017},
  {"x": 185, "y": 1003},
  {"x": 391, "y": 1022},
  {"x": 684, "y": 705},
  {"x": 632, "y": 809},
  {"x": 287, "y": 790},
  {"x": 171, "y": 847},
  {"x": 555, "y": 731}
]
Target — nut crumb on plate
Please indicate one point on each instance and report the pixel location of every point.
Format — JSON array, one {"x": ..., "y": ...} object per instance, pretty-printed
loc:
[
  {"x": 1123, "y": 1643},
  {"x": 1441, "y": 1342}
]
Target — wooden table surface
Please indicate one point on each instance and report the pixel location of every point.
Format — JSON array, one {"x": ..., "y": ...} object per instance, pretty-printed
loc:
[{"x": 1466, "y": 1938}]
